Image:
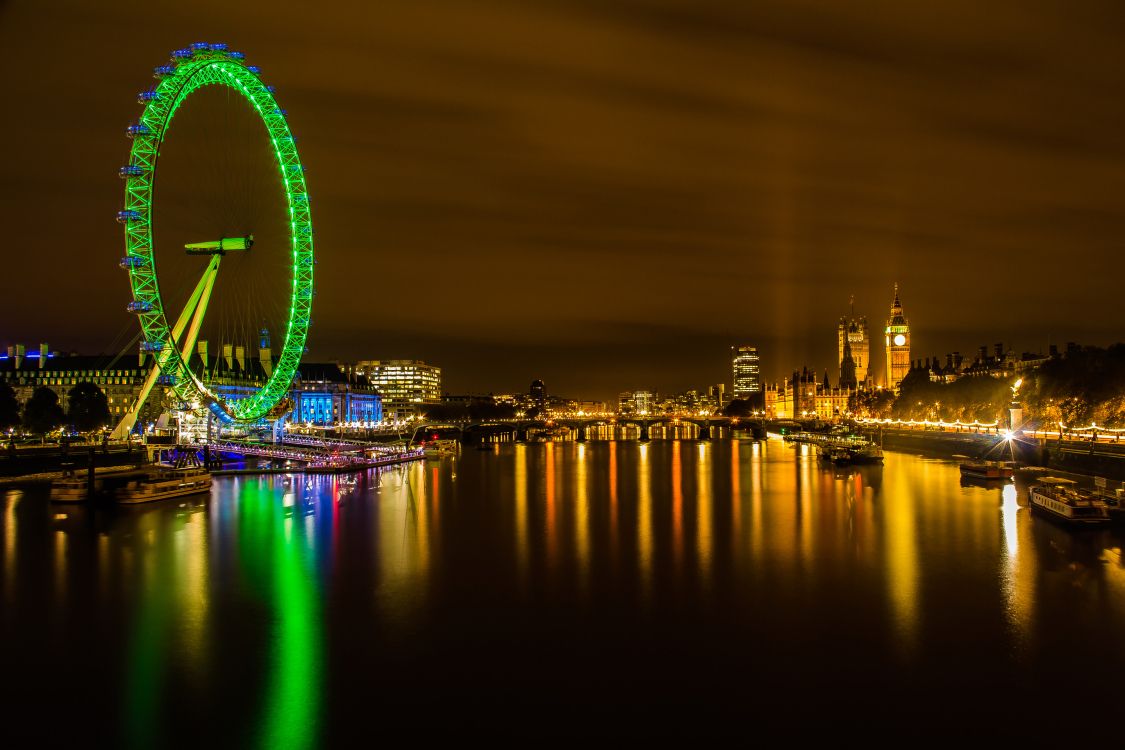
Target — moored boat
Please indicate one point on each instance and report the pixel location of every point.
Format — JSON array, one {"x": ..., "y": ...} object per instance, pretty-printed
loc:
[
  {"x": 1061, "y": 500},
  {"x": 868, "y": 453},
  {"x": 438, "y": 448},
  {"x": 72, "y": 489},
  {"x": 987, "y": 470},
  {"x": 164, "y": 483},
  {"x": 849, "y": 451},
  {"x": 1114, "y": 498}
]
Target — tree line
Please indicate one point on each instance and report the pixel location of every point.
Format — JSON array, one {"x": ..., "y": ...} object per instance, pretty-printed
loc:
[
  {"x": 88, "y": 409},
  {"x": 1085, "y": 386}
]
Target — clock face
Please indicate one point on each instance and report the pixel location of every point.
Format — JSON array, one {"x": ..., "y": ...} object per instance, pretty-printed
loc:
[{"x": 900, "y": 340}]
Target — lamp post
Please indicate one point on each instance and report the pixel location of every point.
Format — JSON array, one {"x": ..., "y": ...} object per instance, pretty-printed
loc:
[{"x": 1015, "y": 409}]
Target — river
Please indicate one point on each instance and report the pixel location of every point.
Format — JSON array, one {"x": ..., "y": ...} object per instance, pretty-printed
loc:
[{"x": 670, "y": 590}]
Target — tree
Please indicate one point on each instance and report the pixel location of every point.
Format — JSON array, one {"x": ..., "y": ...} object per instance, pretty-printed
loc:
[
  {"x": 9, "y": 407},
  {"x": 89, "y": 409},
  {"x": 740, "y": 407},
  {"x": 42, "y": 412},
  {"x": 871, "y": 403}
]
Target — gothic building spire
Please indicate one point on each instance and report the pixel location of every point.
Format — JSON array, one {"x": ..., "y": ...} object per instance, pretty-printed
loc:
[{"x": 847, "y": 368}]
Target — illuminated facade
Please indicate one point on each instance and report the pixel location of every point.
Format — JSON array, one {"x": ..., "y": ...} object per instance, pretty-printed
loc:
[
  {"x": 636, "y": 402},
  {"x": 325, "y": 394},
  {"x": 406, "y": 385},
  {"x": 897, "y": 340},
  {"x": 851, "y": 333},
  {"x": 120, "y": 378},
  {"x": 805, "y": 397},
  {"x": 745, "y": 365},
  {"x": 322, "y": 394}
]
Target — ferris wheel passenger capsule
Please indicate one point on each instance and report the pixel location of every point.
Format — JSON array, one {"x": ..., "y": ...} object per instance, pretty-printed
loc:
[
  {"x": 236, "y": 55},
  {"x": 152, "y": 346},
  {"x": 166, "y": 379},
  {"x": 124, "y": 217},
  {"x": 218, "y": 46},
  {"x": 138, "y": 131},
  {"x": 148, "y": 96},
  {"x": 254, "y": 69},
  {"x": 162, "y": 71},
  {"x": 132, "y": 261},
  {"x": 180, "y": 54},
  {"x": 130, "y": 170},
  {"x": 139, "y": 306},
  {"x": 200, "y": 46}
]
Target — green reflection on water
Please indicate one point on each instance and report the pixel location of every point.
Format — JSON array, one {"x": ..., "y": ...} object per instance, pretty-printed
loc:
[
  {"x": 275, "y": 551},
  {"x": 169, "y": 561},
  {"x": 147, "y": 649}
]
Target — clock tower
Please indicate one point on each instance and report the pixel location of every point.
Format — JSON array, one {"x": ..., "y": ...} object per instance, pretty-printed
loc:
[{"x": 898, "y": 345}]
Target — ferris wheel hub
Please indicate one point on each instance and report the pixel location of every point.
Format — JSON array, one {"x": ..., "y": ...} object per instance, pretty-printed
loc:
[{"x": 221, "y": 246}]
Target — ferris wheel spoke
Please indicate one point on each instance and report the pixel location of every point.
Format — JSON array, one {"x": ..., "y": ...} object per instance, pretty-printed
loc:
[{"x": 192, "y": 315}]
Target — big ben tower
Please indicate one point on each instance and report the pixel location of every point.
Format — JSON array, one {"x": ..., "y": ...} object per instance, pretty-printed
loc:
[{"x": 898, "y": 345}]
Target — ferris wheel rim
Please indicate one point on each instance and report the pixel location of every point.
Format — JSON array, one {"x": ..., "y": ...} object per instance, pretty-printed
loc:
[{"x": 191, "y": 70}]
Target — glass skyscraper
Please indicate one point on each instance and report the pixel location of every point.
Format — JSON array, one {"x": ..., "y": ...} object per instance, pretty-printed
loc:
[{"x": 747, "y": 378}]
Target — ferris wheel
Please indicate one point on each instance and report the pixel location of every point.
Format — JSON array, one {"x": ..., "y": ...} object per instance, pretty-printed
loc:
[{"x": 170, "y": 335}]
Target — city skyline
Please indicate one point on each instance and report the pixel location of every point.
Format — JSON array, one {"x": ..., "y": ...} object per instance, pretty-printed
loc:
[
  {"x": 584, "y": 370},
  {"x": 625, "y": 227}
]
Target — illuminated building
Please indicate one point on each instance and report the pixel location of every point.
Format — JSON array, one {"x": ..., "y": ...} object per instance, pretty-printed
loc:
[
  {"x": 897, "y": 339},
  {"x": 325, "y": 394},
  {"x": 1001, "y": 363},
  {"x": 119, "y": 378},
  {"x": 406, "y": 385},
  {"x": 589, "y": 407},
  {"x": 848, "y": 377},
  {"x": 538, "y": 393},
  {"x": 636, "y": 402},
  {"x": 851, "y": 332},
  {"x": 805, "y": 397},
  {"x": 747, "y": 380},
  {"x": 322, "y": 394}
]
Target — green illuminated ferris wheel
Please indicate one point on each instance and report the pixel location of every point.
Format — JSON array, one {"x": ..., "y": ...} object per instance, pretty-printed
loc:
[{"x": 172, "y": 344}]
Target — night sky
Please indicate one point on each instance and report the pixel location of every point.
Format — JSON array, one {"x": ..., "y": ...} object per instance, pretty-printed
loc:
[{"x": 607, "y": 195}]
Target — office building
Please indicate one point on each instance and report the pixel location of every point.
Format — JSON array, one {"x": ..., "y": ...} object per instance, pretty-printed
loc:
[
  {"x": 406, "y": 385},
  {"x": 747, "y": 376}
]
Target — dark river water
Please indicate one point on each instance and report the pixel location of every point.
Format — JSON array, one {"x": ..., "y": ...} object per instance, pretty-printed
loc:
[{"x": 582, "y": 592}]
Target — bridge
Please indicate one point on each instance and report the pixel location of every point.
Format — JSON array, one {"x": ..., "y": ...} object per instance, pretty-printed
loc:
[{"x": 520, "y": 429}]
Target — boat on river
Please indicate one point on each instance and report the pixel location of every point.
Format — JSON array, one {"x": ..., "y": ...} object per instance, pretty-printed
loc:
[
  {"x": 439, "y": 448},
  {"x": 164, "y": 483},
  {"x": 1061, "y": 500},
  {"x": 72, "y": 488},
  {"x": 989, "y": 471},
  {"x": 1114, "y": 498},
  {"x": 849, "y": 450}
]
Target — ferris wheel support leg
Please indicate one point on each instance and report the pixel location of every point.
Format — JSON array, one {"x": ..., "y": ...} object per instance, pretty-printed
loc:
[{"x": 193, "y": 311}]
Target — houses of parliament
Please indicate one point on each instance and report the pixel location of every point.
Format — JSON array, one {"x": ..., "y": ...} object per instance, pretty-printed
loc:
[
  {"x": 854, "y": 350},
  {"x": 806, "y": 395}
]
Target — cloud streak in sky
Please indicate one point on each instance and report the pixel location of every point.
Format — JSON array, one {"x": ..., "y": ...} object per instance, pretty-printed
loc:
[{"x": 549, "y": 175}]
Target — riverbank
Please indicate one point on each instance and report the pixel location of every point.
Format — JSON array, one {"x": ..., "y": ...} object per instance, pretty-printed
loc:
[{"x": 1077, "y": 457}]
